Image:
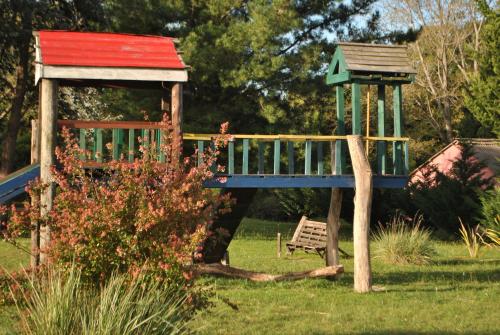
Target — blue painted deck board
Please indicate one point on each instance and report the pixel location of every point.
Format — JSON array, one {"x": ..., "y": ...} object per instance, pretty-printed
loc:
[
  {"x": 15, "y": 184},
  {"x": 299, "y": 181}
]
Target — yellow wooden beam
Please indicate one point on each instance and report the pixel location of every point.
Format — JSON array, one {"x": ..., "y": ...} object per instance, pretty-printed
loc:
[{"x": 317, "y": 138}]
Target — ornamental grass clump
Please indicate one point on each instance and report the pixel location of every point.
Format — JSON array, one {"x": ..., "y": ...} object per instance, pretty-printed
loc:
[
  {"x": 403, "y": 241},
  {"x": 61, "y": 302}
]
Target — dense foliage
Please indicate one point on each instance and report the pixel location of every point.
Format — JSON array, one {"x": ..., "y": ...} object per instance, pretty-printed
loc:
[{"x": 136, "y": 217}]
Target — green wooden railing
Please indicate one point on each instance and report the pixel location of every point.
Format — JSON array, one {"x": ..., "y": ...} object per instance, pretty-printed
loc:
[{"x": 245, "y": 154}]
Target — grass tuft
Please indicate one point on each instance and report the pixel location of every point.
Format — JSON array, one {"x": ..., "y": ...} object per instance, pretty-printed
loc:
[
  {"x": 400, "y": 242},
  {"x": 61, "y": 303}
]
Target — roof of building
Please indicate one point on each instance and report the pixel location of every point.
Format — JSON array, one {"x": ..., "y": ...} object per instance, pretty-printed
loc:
[
  {"x": 107, "y": 56},
  {"x": 485, "y": 150},
  {"x": 376, "y": 57}
]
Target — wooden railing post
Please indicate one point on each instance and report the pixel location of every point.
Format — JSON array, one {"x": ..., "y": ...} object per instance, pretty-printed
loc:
[
  {"x": 362, "y": 209},
  {"x": 177, "y": 105},
  {"x": 48, "y": 101},
  {"x": 35, "y": 225}
]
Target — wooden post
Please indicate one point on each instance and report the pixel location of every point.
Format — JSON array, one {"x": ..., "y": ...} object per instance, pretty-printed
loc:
[
  {"x": 340, "y": 145},
  {"x": 381, "y": 147},
  {"x": 278, "y": 244},
  {"x": 398, "y": 129},
  {"x": 35, "y": 225},
  {"x": 48, "y": 101},
  {"x": 332, "y": 228},
  {"x": 177, "y": 105},
  {"x": 362, "y": 208},
  {"x": 356, "y": 108}
]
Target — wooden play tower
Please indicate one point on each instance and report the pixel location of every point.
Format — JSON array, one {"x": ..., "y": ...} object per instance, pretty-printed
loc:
[{"x": 252, "y": 160}]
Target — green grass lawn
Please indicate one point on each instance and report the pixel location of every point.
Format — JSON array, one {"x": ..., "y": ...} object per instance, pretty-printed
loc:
[{"x": 453, "y": 295}]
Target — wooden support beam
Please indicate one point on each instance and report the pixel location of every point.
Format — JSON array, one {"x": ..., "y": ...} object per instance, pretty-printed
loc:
[
  {"x": 35, "y": 225},
  {"x": 356, "y": 108},
  {"x": 362, "y": 209},
  {"x": 332, "y": 256},
  {"x": 48, "y": 125},
  {"x": 340, "y": 146},
  {"x": 381, "y": 145},
  {"x": 398, "y": 129},
  {"x": 177, "y": 106}
]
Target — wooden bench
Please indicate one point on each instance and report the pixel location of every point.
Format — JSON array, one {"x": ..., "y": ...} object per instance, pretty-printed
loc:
[{"x": 309, "y": 236}]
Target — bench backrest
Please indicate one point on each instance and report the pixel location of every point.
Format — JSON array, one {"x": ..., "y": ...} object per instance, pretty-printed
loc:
[{"x": 311, "y": 233}]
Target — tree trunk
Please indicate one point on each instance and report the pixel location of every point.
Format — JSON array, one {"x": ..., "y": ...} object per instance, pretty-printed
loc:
[
  {"x": 16, "y": 108},
  {"x": 332, "y": 228},
  {"x": 447, "y": 121},
  {"x": 226, "y": 271},
  {"x": 362, "y": 208}
]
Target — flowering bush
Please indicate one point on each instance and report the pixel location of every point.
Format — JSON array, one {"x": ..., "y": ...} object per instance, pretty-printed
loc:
[{"x": 145, "y": 216}]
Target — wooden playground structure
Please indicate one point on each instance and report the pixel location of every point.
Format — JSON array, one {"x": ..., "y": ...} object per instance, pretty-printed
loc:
[{"x": 252, "y": 160}]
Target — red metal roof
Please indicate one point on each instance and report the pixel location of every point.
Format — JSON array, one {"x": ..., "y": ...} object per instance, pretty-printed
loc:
[{"x": 108, "y": 50}]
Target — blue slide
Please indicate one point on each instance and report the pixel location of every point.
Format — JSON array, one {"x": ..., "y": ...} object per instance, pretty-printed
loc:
[{"x": 15, "y": 183}]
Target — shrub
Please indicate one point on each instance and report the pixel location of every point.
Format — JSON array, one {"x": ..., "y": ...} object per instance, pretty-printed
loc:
[
  {"x": 144, "y": 216},
  {"x": 443, "y": 198},
  {"x": 490, "y": 202},
  {"x": 62, "y": 303},
  {"x": 404, "y": 242}
]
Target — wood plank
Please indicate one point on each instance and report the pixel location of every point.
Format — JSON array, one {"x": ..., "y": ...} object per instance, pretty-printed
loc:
[
  {"x": 230, "y": 148},
  {"x": 356, "y": 109},
  {"x": 246, "y": 146},
  {"x": 340, "y": 146},
  {"x": 381, "y": 145},
  {"x": 200, "y": 152},
  {"x": 308, "y": 157},
  {"x": 277, "y": 156},
  {"x": 131, "y": 145},
  {"x": 398, "y": 129},
  {"x": 77, "y": 124}
]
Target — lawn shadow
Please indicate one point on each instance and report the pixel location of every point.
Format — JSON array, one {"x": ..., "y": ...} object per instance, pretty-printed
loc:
[
  {"x": 408, "y": 332},
  {"x": 461, "y": 261},
  {"x": 403, "y": 277}
]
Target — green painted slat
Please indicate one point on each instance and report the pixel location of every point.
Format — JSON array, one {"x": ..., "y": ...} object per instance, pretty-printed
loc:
[
  {"x": 307, "y": 167},
  {"x": 356, "y": 109},
  {"x": 200, "y": 152},
  {"x": 407, "y": 158},
  {"x": 320, "y": 158},
  {"x": 291, "y": 161},
  {"x": 277, "y": 155},
  {"x": 261, "y": 158},
  {"x": 145, "y": 138},
  {"x": 381, "y": 145},
  {"x": 213, "y": 167},
  {"x": 244, "y": 167},
  {"x": 230, "y": 148},
  {"x": 98, "y": 151},
  {"x": 83, "y": 143},
  {"x": 340, "y": 146},
  {"x": 131, "y": 145},
  {"x": 115, "y": 144},
  {"x": 398, "y": 129},
  {"x": 161, "y": 153}
]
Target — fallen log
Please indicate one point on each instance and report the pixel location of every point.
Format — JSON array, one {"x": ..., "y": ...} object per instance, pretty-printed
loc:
[{"x": 217, "y": 269}]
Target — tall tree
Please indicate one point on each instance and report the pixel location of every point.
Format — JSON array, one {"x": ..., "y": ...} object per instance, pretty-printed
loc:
[
  {"x": 19, "y": 19},
  {"x": 449, "y": 31},
  {"x": 482, "y": 95}
]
